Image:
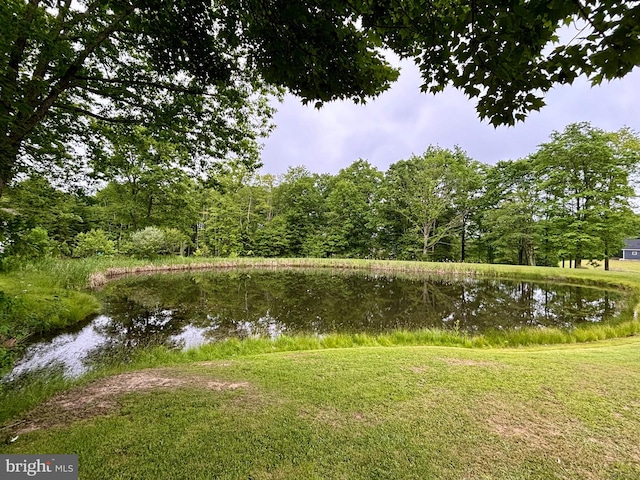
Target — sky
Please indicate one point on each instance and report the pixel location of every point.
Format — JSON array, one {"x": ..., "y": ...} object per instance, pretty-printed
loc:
[{"x": 403, "y": 121}]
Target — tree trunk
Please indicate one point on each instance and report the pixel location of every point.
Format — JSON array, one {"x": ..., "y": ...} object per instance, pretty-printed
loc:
[
  {"x": 520, "y": 255},
  {"x": 3, "y": 184},
  {"x": 426, "y": 233},
  {"x": 8, "y": 158},
  {"x": 249, "y": 212},
  {"x": 149, "y": 207},
  {"x": 463, "y": 242},
  {"x": 531, "y": 256}
]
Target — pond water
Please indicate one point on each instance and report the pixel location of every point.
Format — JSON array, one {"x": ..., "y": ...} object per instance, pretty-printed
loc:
[{"x": 186, "y": 310}]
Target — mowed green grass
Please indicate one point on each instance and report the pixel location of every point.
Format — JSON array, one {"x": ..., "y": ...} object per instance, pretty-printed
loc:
[
  {"x": 621, "y": 265},
  {"x": 614, "y": 265},
  {"x": 424, "y": 412}
]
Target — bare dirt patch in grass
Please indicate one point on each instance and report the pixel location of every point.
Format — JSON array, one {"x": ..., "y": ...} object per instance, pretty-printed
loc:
[
  {"x": 535, "y": 429},
  {"x": 530, "y": 433},
  {"x": 465, "y": 362},
  {"x": 419, "y": 369},
  {"x": 535, "y": 433},
  {"x": 337, "y": 419},
  {"x": 102, "y": 397},
  {"x": 213, "y": 363}
]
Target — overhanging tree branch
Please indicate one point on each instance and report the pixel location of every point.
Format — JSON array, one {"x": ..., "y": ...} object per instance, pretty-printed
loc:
[
  {"x": 88, "y": 113},
  {"x": 27, "y": 123},
  {"x": 584, "y": 14},
  {"x": 172, "y": 87}
]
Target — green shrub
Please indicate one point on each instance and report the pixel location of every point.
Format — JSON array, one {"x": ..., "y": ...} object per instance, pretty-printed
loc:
[
  {"x": 202, "y": 251},
  {"x": 93, "y": 243},
  {"x": 147, "y": 243},
  {"x": 152, "y": 242},
  {"x": 176, "y": 242},
  {"x": 24, "y": 246},
  {"x": 36, "y": 244}
]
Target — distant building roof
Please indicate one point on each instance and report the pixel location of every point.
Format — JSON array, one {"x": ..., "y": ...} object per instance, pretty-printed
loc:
[{"x": 632, "y": 244}]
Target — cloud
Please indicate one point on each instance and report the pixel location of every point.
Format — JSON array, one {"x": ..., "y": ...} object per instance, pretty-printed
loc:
[{"x": 403, "y": 121}]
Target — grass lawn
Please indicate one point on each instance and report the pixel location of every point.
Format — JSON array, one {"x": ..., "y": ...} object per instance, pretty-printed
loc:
[
  {"x": 614, "y": 265},
  {"x": 621, "y": 265},
  {"x": 567, "y": 412}
]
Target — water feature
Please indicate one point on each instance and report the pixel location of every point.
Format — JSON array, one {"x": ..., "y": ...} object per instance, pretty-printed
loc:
[{"x": 186, "y": 310}]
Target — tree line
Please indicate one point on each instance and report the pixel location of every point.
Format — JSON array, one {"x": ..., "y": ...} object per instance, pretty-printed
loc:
[{"x": 568, "y": 201}]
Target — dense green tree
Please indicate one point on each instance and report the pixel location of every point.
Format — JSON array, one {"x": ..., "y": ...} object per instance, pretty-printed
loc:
[
  {"x": 148, "y": 185},
  {"x": 351, "y": 212},
  {"x": 269, "y": 229},
  {"x": 30, "y": 244},
  {"x": 513, "y": 230},
  {"x": 240, "y": 204},
  {"x": 418, "y": 201},
  {"x": 272, "y": 238},
  {"x": 511, "y": 213},
  {"x": 151, "y": 200},
  {"x": 584, "y": 174},
  {"x": 151, "y": 242},
  {"x": 467, "y": 194},
  {"x": 192, "y": 70},
  {"x": 62, "y": 214},
  {"x": 225, "y": 226},
  {"x": 300, "y": 198}
]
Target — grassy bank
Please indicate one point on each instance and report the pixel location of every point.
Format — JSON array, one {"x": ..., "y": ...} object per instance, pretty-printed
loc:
[
  {"x": 33, "y": 302},
  {"x": 567, "y": 412},
  {"x": 53, "y": 294}
]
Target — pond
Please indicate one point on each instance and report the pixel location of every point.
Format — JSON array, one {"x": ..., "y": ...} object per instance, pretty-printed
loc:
[{"x": 186, "y": 310}]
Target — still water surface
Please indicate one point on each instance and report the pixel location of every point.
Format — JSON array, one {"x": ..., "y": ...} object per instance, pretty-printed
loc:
[{"x": 186, "y": 310}]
